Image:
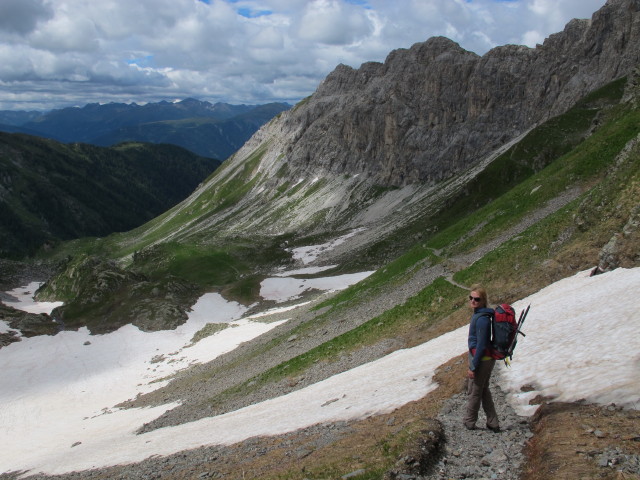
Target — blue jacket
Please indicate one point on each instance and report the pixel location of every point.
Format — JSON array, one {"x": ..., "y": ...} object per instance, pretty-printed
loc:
[{"x": 479, "y": 335}]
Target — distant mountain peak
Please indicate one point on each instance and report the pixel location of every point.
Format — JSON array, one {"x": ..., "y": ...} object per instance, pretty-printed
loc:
[{"x": 216, "y": 131}]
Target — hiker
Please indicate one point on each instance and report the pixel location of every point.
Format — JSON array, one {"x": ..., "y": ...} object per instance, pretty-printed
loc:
[{"x": 480, "y": 362}]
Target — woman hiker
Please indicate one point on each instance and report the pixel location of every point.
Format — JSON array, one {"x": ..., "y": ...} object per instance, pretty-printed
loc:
[{"x": 480, "y": 362}]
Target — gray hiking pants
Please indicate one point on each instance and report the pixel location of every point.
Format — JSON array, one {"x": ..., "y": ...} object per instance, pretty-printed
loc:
[{"x": 478, "y": 394}]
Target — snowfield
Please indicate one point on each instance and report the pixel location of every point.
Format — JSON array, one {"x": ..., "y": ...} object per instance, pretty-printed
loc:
[
  {"x": 23, "y": 300},
  {"x": 281, "y": 289},
  {"x": 58, "y": 392}
]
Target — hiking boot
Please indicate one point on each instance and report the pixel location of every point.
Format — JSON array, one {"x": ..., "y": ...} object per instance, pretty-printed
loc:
[{"x": 493, "y": 429}]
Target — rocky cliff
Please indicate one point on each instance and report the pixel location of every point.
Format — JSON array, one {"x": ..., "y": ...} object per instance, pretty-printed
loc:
[
  {"x": 432, "y": 110},
  {"x": 376, "y": 148}
]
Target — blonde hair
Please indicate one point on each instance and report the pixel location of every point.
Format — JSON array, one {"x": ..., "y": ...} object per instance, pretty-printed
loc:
[{"x": 482, "y": 293}]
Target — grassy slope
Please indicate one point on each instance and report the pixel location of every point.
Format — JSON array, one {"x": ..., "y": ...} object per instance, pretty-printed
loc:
[
  {"x": 220, "y": 264},
  {"x": 558, "y": 246}
]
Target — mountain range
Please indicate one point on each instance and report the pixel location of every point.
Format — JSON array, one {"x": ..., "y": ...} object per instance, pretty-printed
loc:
[
  {"x": 428, "y": 173},
  {"x": 210, "y": 130}
]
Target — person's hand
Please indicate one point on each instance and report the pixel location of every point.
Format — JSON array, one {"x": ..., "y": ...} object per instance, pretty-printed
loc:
[{"x": 471, "y": 374}]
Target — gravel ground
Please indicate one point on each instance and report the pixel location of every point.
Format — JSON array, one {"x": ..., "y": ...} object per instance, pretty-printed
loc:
[{"x": 482, "y": 453}]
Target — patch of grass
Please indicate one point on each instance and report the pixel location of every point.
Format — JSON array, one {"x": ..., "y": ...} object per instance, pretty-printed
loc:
[
  {"x": 570, "y": 239},
  {"x": 208, "y": 330},
  {"x": 302, "y": 102},
  {"x": 506, "y": 270},
  {"x": 245, "y": 291},
  {"x": 584, "y": 164},
  {"x": 200, "y": 265},
  {"x": 283, "y": 188},
  {"x": 314, "y": 187},
  {"x": 394, "y": 271},
  {"x": 235, "y": 184},
  {"x": 295, "y": 189},
  {"x": 205, "y": 268},
  {"x": 228, "y": 266}
]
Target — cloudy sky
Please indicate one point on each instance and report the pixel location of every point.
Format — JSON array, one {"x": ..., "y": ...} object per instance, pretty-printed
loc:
[{"x": 58, "y": 53}]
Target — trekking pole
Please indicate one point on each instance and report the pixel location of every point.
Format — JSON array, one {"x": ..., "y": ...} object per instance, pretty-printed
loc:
[{"x": 514, "y": 341}]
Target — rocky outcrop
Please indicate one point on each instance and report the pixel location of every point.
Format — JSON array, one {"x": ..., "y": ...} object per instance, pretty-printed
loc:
[
  {"x": 104, "y": 297},
  {"x": 622, "y": 249},
  {"x": 434, "y": 109},
  {"x": 24, "y": 324}
]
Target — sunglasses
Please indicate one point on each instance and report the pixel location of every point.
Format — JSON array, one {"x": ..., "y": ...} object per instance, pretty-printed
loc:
[{"x": 475, "y": 299}]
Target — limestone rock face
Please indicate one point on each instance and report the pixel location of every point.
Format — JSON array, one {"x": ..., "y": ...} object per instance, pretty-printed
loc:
[{"x": 432, "y": 110}]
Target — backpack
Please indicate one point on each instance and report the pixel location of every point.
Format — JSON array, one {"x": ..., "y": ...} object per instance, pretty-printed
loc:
[{"x": 503, "y": 331}]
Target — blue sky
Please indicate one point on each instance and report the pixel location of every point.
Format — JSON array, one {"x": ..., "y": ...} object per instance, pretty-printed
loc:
[{"x": 58, "y": 53}]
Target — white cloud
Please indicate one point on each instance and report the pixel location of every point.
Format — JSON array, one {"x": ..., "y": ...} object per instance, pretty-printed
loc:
[
  {"x": 542, "y": 7},
  {"x": 245, "y": 51},
  {"x": 269, "y": 38},
  {"x": 532, "y": 37},
  {"x": 333, "y": 22},
  {"x": 22, "y": 16},
  {"x": 65, "y": 34}
]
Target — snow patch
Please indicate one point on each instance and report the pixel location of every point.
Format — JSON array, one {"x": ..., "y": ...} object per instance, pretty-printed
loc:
[
  {"x": 305, "y": 271},
  {"x": 24, "y": 300},
  {"x": 312, "y": 252},
  {"x": 275, "y": 311},
  {"x": 4, "y": 327},
  {"x": 213, "y": 308},
  {"x": 60, "y": 390},
  {"x": 283, "y": 289},
  {"x": 56, "y": 391},
  {"x": 581, "y": 342}
]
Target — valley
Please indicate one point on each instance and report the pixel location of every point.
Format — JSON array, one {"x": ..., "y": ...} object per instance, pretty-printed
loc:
[{"x": 302, "y": 314}]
